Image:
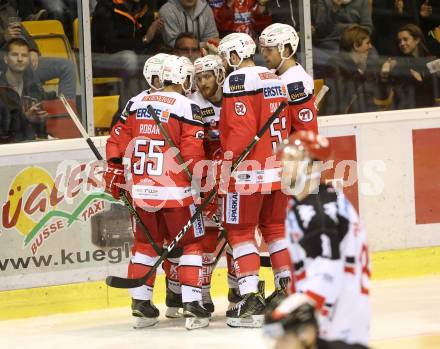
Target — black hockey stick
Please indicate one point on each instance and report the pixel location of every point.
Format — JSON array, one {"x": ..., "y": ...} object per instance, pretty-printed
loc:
[
  {"x": 181, "y": 160},
  {"x": 98, "y": 155},
  {"x": 118, "y": 282}
]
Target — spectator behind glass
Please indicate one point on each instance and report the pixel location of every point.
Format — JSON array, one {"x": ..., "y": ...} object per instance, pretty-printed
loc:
[
  {"x": 388, "y": 17},
  {"x": 330, "y": 18},
  {"x": 186, "y": 44},
  {"x": 353, "y": 82},
  {"x": 333, "y": 16},
  {"x": 123, "y": 33},
  {"x": 21, "y": 116},
  {"x": 241, "y": 16},
  {"x": 429, "y": 15},
  {"x": 284, "y": 11},
  {"x": 193, "y": 16},
  {"x": 408, "y": 74},
  {"x": 43, "y": 68}
]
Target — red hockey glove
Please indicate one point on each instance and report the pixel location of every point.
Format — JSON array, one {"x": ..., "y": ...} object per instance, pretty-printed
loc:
[{"x": 114, "y": 179}]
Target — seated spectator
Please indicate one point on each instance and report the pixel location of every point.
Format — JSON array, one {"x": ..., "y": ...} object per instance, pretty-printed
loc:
[
  {"x": 284, "y": 11},
  {"x": 388, "y": 17},
  {"x": 187, "y": 45},
  {"x": 241, "y": 16},
  {"x": 333, "y": 16},
  {"x": 354, "y": 81},
  {"x": 429, "y": 13},
  {"x": 43, "y": 68},
  {"x": 408, "y": 74},
  {"x": 123, "y": 33},
  {"x": 330, "y": 18},
  {"x": 21, "y": 116},
  {"x": 193, "y": 16}
]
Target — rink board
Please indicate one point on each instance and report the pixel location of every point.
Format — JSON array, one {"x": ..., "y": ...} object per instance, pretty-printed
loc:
[{"x": 387, "y": 164}]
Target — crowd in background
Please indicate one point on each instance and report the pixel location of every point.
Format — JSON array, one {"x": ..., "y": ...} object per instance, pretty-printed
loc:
[{"x": 373, "y": 54}]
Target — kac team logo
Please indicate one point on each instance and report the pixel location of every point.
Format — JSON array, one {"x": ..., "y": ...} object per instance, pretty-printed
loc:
[{"x": 31, "y": 207}]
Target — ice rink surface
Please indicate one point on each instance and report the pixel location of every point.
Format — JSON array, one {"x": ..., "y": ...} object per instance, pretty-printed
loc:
[{"x": 406, "y": 315}]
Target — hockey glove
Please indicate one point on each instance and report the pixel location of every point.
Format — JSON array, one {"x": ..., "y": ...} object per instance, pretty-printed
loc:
[
  {"x": 291, "y": 315},
  {"x": 114, "y": 179}
]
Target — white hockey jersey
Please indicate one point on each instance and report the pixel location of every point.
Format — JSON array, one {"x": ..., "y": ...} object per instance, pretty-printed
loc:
[
  {"x": 330, "y": 257},
  {"x": 211, "y": 117},
  {"x": 300, "y": 86}
]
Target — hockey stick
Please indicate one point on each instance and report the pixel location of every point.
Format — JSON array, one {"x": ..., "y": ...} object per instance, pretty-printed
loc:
[
  {"x": 118, "y": 282},
  {"x": 98, "y": 155},
  {"x": 181, "y": 160},
  {"x": 322, "y": 92}
]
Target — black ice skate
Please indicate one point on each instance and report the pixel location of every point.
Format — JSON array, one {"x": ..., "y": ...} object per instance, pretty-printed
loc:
[
  {"x": 278, "y": 295},
  {"x": 196, "y": 315},
  {"x": 249, "y": 312},
  {"x": 233, "y": 297},
  {"x": 173, "y": 302},
  {"x": 208, "y": 304},
  {"x": 144, "y": 312}
]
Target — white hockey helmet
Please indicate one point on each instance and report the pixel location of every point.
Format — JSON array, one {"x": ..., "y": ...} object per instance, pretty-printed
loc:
[
  {"x": 279, "y": 35},
  {"x": 208, "y": 63},
  {"x": 241, "y": 43},
  {"x": 153, "y": 67},
  {"x": 176, "y": 70}
]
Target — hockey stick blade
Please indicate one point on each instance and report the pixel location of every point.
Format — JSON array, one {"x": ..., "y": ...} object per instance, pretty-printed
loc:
[{"x": 119, "y": 282}]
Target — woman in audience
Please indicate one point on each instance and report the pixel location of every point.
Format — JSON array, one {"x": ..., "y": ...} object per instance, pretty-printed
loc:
[
  {"x": 414, "y": 86},
  {"x": 353, "y": 81}
]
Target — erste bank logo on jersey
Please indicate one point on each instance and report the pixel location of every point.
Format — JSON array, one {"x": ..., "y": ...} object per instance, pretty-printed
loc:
[{"x": 274, "y": 91}]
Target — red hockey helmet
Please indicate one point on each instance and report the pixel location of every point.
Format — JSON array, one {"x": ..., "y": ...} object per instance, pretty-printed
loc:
[{"x": 315, "y": 146}]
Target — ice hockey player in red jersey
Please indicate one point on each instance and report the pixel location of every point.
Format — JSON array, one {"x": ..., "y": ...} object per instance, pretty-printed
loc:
[
  {"x": 278, "y": 44},
  {"x": 328, "y": 247},
  {"x": 160, "y": 191},
  {"x": 250, "y": 96},
  {"x": 209, "y": 78}
]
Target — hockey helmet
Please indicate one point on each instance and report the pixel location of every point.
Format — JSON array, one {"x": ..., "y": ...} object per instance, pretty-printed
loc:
[
  {"x": 314, "y": 146},
  {"x": 241, "y": 43},
  {"x": 279, "y": 35},
  {"x": 177, "y": 70},
  {"x": 153, "y": 67},
  {"x": 210, "y": 63}
]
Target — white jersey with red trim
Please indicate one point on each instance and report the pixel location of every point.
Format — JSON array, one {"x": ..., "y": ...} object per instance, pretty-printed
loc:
[
  {"x": 330, "y": 257},
  {"x": 211, "y": 118},
  {"x": 250, "y": 97},
  {"x": 158, "y": 178},
  {"x": 302, "y": 107}
]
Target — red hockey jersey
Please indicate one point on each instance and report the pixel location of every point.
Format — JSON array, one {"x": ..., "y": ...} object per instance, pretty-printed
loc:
[
  {"x": 301, "y": 99},
  {"x": 250, "y": 96},
  {"x": 158, "y": 179}
]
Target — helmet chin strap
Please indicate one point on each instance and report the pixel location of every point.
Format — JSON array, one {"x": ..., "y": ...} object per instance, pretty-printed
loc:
[{"x": 283, "y": 59}]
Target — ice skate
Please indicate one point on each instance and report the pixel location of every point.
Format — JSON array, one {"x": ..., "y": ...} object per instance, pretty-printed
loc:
[
  {"x": 145, "y": 313},
  {"x": 196, "y": 315},
  {"x": 249, "y": 312},
  {"x": 233, "y": 297},
  {"x": 174, "y": 304},
  {"x": 208, "y": 304},
  {"x": 278, "y": 295}
]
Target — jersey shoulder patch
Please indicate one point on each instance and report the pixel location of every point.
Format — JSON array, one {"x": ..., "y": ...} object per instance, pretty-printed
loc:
[
  {"x": 196, "y": 112},
  {"x": 236, "y": 82},
  {"x": 296, "y": 90}
]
